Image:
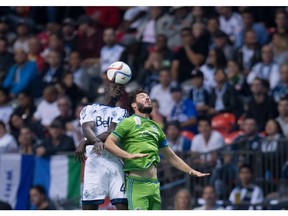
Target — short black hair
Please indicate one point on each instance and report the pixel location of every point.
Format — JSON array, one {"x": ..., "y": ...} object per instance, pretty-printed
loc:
[
  {"x": 284, "y": 98},
  {"x": 205, "y": 119},
  {"x": 132, "y": 98},
  {"x": 3, "y": 124},
  {"x": 4, "y": 90},
  {"x": 40, "y": 189},
  {"x": 173, "y": 123},
  {"x": 246, "y": 166}
]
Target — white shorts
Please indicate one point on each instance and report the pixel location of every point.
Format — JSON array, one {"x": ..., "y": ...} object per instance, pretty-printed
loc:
[{"x": 103, "y": 177}]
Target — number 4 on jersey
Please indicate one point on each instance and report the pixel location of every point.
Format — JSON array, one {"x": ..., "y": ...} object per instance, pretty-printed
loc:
[{"x": 123, "y": 188}]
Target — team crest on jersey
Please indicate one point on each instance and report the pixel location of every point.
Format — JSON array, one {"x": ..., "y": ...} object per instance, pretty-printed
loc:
[
  {"x": 137, "y": 120},
  {"x": 114, "y": 113},
  {"x": 154, "y": 128}
]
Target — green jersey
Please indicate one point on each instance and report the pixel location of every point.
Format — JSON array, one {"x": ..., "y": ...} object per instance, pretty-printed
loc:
[{"x": 140, "y": 135}]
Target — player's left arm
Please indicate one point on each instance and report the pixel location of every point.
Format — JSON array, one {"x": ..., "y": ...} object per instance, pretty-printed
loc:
[{"x": 178, "y": 163}]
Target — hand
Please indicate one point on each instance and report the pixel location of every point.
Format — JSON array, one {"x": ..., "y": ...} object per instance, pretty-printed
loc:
[
  {"x": 135, "y": 156},
  {"x": 198, "y": 174},
  {"x": 80, "y": 152},
  {"x": 98, "y": 147}
]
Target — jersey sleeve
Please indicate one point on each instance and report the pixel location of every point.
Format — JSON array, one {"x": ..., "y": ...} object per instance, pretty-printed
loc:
[
  {"x": 162, "y": 141},
  {"x": 121, "y": 114},
  {"x": 121, "y": 129},
  {"x": 86, "y": 114}
]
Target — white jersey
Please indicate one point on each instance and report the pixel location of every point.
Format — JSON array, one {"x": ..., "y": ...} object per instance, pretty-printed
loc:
[
  {"x": 103, "y": 175},
  {"x": 103, "y": 116}
]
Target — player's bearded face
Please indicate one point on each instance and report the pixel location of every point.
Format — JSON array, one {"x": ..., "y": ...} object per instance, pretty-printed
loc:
[{"x": 147, "y": 109}]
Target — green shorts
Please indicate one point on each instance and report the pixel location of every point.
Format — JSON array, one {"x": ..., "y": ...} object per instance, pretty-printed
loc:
[{"x": 143, "y": 193}]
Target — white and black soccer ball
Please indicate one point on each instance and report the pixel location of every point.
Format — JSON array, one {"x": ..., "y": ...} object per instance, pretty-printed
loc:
[{"x": 119, "y": 72}]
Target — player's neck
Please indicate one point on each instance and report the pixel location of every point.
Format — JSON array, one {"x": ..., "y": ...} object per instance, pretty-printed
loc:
[
  {"x": 110, "y": 102},
  {"x": 144, "y": 115}
]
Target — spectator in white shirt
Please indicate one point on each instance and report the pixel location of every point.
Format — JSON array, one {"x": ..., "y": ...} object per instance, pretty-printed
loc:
[
  {"x": 7, "y": 142},
  {"x": 209, "y": 198},
  {"x": 247, "y": 193},
  {"x": 206, "y": 141},
  {"x": 47, "y": 110},
  {"x": 111, "y": 51},
  {"x": 267, "y": 69},
  {"x": 161, "y": 92},
  {"x": 230, "y": 22},
  {"x": 5, "y": 108}
]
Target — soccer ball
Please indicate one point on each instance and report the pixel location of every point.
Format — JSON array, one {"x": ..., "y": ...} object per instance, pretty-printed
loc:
[{"x": 119, "y": 72}]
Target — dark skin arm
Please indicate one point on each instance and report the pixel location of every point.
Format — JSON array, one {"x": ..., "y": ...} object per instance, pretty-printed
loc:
[{"x": 88, "y": 128}]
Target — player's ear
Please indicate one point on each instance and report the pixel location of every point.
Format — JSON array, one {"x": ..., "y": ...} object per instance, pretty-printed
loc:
[{"x": 133, "y": 105}]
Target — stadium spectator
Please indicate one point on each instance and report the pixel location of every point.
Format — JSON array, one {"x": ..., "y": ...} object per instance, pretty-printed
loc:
[
  {"x": 34, "y": 53},
  {"x": 47, "y": 110},
  {"x": 133, "y": 55},
  {"x": 206, "y": 141},
  {"x": 27, "y": 141},
  {"x": 273, "y": 149},
  {"x": 223, "y": 97},
  {"x": 280, "y": 48},
  {"x": 183, "y": 111},
  {"x": 65, "y": 109},
  {"x": 23, "y": 33},
  {"x": 261, "y": 106},
  {"x": 161, "y": 92},
  {"x": 69, "y": 37},
  {"x": 5, "y": 106},
  {"x": 80, "y": 76},
  {"x": 55, "y": 44},
  {"x": 248, "y": 24},
  {"x": 283, "y": 115},
  {"x": 198, "y": 93},
  {"x": 175, "y": 140},
  {"x": 179, "y": 18},
  {"x": 39, "y": 198},
  {"x": 215, "y": 60},
  {"x": 200, "y": 34},
  {"x": 267, "y": 69},
  {"x": 162, "y": 48},
  {"x": 246, "y": 193},
  {"x": 249, "y": 53},
  {"x": 56, "y": 142},
  {"x": 192, "y": 54},
  {"x": 26, "y": 106},
  {"x": 104, "y": 17},
  {"x": 21, "y": 74},
  {"x": 90, "y": 41},
  {"x": 221, "y": 41},
  {"x": 7, "y": 142},
  {"x": 133, "y": 18},
  {"x": 150, "y": 28},
  {"x": 183, "y": 200},
  {"x": 230, "y": 22},
  {"x": 149, "y": 77},
  {"x": 6, "y": 31},
  {"x": 74, "y": 128},
  {"x": 156, "y": 116},
  {"x": 281, "y": 20},
  {"x": 281, "y": 89},
  {"x": 213, "y": 27},
  {"x": 198, "y": 14},
  {"x": 6, "y": 59},
  {"x": 111, "y": 51},
  {"x": 209, "y": 198},
  {"x": 51, "y": 27},
  {"x": 236, "y": 79}
]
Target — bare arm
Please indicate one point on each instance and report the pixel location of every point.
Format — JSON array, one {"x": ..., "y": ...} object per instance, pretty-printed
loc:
[
  {"x": 178, "y": 163},
  {"x": 195, "y": 59},
  {"x": 189, "y": 122},
  {"x": 110, "y": 145},
  {"x": 175, "y": 70}
]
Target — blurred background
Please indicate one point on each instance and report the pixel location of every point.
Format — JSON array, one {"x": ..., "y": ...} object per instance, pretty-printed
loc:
[{"x": 217, "y": 77}]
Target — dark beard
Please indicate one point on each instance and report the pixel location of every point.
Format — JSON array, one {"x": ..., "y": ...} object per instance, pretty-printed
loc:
[{"x": 142, "y": 109}]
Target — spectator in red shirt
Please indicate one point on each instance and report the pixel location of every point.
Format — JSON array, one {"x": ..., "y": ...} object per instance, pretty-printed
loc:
[{"x": 34, "y": 53}]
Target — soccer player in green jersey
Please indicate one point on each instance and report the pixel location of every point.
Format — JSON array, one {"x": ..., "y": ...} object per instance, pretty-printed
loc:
[{"x": 142, "y": 140}]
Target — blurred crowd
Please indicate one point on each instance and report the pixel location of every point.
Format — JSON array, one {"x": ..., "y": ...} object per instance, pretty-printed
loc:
[{"x": 217, "y": 76}]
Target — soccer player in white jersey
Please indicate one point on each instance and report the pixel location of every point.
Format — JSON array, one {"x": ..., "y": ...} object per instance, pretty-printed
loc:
[{"x": 103, "y": 174}]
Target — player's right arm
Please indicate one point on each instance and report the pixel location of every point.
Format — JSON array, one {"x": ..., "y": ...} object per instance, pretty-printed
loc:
[{"x": 111, "y": 146}]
